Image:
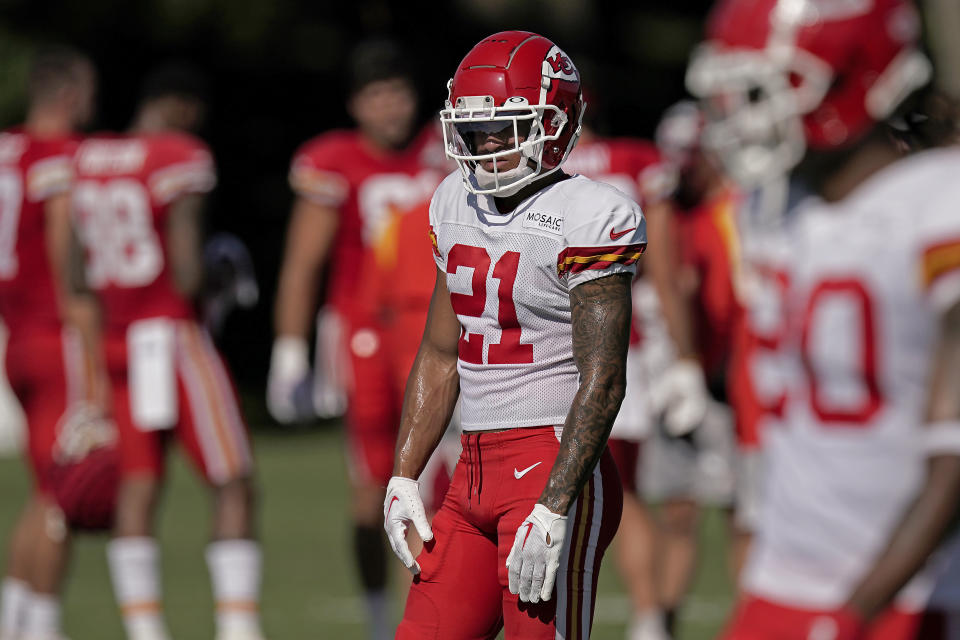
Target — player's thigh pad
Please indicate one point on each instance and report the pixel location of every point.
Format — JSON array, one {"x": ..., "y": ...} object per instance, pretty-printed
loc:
[{"x": 141, "y": 451}]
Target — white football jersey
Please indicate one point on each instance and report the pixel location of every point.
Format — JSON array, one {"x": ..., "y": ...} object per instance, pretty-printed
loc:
[
  {"x": 862, "y": 285},
  {"x": 510, "y": 276}
]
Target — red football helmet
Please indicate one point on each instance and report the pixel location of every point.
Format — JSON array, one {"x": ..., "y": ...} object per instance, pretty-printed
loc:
[
  {"x": 778, "y": 76},
  {"x": 678, "y": 133},
  {"x": 512, "y": 79},
  {"x": 86, "y": 471}
]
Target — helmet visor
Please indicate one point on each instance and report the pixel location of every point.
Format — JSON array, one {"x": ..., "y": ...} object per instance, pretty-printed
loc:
[{"x": 470, "y": 130}]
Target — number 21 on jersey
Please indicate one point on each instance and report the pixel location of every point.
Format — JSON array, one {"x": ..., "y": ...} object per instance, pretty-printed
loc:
[{"x": 509, "y": 350}]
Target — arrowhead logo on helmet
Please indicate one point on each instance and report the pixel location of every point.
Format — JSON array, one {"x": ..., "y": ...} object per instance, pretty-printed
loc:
[
  {"x": 521, "y": 87},
  {"x": 561, "y": 65}
]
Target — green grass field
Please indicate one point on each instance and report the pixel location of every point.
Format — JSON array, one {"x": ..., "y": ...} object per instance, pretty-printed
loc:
[{"x": 309, "y": 590}]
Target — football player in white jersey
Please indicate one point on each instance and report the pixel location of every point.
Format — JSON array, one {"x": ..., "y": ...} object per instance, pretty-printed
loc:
[
  {"x": 863, "y": 456},
  {"x": 528, "y": 325}
]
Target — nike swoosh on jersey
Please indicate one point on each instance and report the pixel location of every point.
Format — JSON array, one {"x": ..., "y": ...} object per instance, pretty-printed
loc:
[
  {"x": 520, "y": 474},
  {"x": 619, "y": 234}
]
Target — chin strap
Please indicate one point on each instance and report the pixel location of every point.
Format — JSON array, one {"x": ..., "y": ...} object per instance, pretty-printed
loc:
[{"x": 507, "y": 182}]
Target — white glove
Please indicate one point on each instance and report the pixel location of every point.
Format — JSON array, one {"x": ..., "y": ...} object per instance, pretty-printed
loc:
[
  {"x": 535, "y": 557},
  {"x": 680, "y": 396},
  {"x": 329, "y": 377},
  {"x": 288, "y": 382},
  {"x": 401, "y": 507}
]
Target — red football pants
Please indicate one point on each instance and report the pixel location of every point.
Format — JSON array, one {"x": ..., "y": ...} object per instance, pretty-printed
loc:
[
  {"x": 380, "y": 362},
  {"x": 462, "y": 591},
  {"x": 626, "y": 455},
  {"x": 759, "y": 619},
  {"x": 210, "y": 427},
  {"x": 45, "y": 371}
]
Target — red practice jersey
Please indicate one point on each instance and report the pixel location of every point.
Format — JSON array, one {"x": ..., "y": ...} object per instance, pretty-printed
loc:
[
  {"x": 368, "y": 188},
  {"x": 633, "y": 166},
  {"x": 710, "y": 247},
  {"x": 125, "y": 186},
  {"x": 32, "y": 170},
  {"x": 406, "y": 249}
]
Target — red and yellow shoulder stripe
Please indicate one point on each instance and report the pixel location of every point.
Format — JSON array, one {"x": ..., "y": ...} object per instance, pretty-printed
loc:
[
  {"x": 575, "y": 259},
  {"x": 433, "y": 241},
  {"x": 940, "y": 259}
]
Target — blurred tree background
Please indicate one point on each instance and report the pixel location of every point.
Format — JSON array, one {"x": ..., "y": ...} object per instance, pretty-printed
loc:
[{"x": 275, "y": 73}]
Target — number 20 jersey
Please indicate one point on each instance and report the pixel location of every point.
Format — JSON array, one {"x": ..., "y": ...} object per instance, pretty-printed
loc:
[
  {"x": 862, "y": 285},
  {"x": 121, "y": 201},
  {"x": 510, "y": 276}
]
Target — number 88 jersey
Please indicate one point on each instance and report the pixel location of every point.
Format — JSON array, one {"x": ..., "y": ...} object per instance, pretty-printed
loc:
[
  {"x": 510, "y": 276},
  {"x": 125, "y": 187}
]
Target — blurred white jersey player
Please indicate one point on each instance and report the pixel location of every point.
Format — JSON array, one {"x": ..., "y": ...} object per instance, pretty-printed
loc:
[{"x": 861, "y": 295}]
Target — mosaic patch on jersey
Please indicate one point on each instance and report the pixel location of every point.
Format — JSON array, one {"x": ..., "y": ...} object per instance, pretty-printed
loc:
[
  {"x": 543, "y": 221},
  {"x": 576, "y": 259},
  {"x": 940, "y": 259}
]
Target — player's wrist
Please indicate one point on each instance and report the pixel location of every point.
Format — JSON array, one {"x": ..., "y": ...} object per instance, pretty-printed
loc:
[
  {"x": 688, "y": 367},
  {"x": 559, "y": 505},
  {"x": 290, "y": 355},
  {"x": 546, "y": 515},
  {"x": 551, "y": 508}
]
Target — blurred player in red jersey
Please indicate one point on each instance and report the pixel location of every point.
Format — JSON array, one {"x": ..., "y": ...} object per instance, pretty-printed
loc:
[
  {"x": 699, "y": 468},
  {"x": 528, "y": 326},
  {"x": 709, "y": 202},
  {"x": 402, "y": 306},
  {"x": 45, "y": 362},
  {"x": 862, "y": 252},
  {"x": 348, "y": 184},
  {"x": 138, "y": 203}
]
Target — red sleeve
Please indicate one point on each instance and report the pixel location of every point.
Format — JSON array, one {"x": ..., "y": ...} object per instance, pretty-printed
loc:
[
  {"x": 315, "y": 172},
  {"x": 51, "y": 172},
  {"x": 654, "y": 182},
  {"x": 179, "y": 165},
  {"x": 710, "y": 248}
]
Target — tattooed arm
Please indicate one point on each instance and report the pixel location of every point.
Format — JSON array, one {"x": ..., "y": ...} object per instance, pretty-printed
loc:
[{"x": 600, "y": 311}]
